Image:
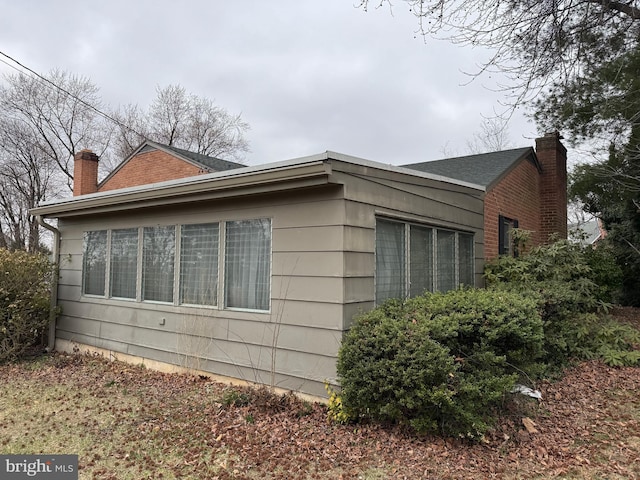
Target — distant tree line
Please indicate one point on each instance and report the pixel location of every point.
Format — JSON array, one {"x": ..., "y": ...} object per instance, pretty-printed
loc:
[{"x": 45, "y": 121}]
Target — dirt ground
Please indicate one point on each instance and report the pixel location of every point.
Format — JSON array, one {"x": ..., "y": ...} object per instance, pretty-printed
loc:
[{"x": 128, "y": 422}]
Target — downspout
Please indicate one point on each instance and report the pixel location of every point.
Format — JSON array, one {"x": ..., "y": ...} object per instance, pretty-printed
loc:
[{"x": 54, "y": 282}]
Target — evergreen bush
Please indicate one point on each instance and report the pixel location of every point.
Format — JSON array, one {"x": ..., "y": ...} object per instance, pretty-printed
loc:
[
  {"x": 570, "y": 283},
  {"x": 439, "y": 362},
  {"x": 25, "y": 282}
]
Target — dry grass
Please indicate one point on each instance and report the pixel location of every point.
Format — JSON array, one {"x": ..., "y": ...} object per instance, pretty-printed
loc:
[{"x": 126, "y": 422}]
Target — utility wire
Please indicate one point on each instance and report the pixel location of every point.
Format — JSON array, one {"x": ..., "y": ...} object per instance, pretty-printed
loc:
[{"x": 45, "y": 81}]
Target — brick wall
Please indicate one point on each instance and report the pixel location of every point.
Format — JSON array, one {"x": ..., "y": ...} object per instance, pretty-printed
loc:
[
  {"x": 537, "y": 200},
  {"x": 150, "y": 167},
  {"x": 516, "y": 197}
]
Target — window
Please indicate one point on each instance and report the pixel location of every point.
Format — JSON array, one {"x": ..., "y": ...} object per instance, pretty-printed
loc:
[
  {"x": 506, "y": 245},
  {"x": 94, "y": 262},
  {"x": 421, "y": 258},
  {"x": 412, "y": 259},
  {"x": 124, "y": 263},
  {"x": 446, "y": 260},
  {"x": 199, "y": 264},
  {"x": 465, "y": 258},
  {"x": 390, "y": 260},
  {"x": 180, "y": 264},
  {"x": 248, "y": 264},
  {"x": 158, "y": 253}
]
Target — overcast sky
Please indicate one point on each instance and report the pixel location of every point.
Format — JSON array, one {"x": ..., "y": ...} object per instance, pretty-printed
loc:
[{"x": 308, "y": 76}]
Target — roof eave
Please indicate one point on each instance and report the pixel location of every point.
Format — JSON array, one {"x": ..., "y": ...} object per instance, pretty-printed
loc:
[
  {"x": 158, "y": 146},
  {"x": 197, "y": 188},
  {"x": 529, "y": 154}
]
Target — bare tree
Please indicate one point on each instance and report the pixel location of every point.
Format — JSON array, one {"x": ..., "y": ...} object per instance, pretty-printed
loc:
[
  {"x": 131, "y": 130},
  {"x": 185, "y": 121},
  {"x": 41, "y": 127},
  {"x": 533, "y": 42},
  {"x": 27, "y": 177},
  {"x": 63, "y": 120},
  {"x": 492, "y": 137}
]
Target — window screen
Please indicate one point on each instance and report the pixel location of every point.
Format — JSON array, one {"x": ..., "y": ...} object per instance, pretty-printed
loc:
[
  {"x": 94, "y": 262},
  {"x": 466, "y": 258},
  {"x": 199, "y": 264},
  {"x": 159, "y": 248},
  {"x": 248, "y": 264},
  {"x": 390, "y": 260},
  {"x": 421, "y": 260},
  {"x": 446, "y": 261},
  {"x": 124, "y": 263}
]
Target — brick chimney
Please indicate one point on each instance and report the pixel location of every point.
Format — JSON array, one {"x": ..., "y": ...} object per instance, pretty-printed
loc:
[
  {"x": 553, "y": 185},
  {"x": 85, "y": 173}
]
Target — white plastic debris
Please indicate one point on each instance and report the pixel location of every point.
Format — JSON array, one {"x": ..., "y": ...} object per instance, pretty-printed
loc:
[{"x": 524, "y": 390}]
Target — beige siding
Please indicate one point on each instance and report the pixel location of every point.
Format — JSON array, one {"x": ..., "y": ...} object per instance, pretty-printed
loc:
[
  {"x": 307, "y": 271},
  {"x": 323, "y": 266}
]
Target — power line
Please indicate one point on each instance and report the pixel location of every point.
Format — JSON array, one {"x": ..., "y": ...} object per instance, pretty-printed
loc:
[{"x": 45, "y": 81}]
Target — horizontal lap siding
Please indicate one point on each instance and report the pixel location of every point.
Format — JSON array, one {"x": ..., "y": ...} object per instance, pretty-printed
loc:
[
  {"x": 323, "y": 266},
  {"x": 413, "y": 199},
  {"x": 307, "y": 293}
]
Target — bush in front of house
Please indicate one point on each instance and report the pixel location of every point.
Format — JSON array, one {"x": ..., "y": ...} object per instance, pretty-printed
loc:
[
  {"x": 439, "y": 362},
  {"x": 570, "y": 283},
  {"x": 25, "y": 282}
]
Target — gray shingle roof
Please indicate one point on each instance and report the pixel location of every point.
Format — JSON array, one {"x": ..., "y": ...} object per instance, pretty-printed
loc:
[
  {"x": 211, "y": 163},
  {"x": 483, "y": 169}
]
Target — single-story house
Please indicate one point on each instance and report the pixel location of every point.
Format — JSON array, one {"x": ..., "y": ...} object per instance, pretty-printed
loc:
[{"x": 254, "y": 273}]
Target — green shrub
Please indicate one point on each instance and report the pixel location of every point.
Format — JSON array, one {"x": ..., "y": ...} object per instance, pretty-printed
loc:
[
  {"x": 473, "y": 323},
  {"x": 606, "y": 339},
  {"x": 440, "y": 362},
  {"x": 605, "y": 272},
  {"x": 570, "y": 283},
  {"x": 25, "y": 282},
  {"x": 559, "y": 274}
]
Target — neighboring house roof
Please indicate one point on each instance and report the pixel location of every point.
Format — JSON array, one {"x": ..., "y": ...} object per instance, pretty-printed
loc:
[
  {"x": 289, "y": 174},
  {"x": 203, "y": 162},
  {"x": 484, "y": 169},
  {"x": 587, "y": 233},
  {"x": 209, "y": 163}
]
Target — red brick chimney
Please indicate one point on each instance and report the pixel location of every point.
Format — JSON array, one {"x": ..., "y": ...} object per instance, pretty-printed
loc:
[
  {"x": 85, "y": 173},
  {"x": 553, "y": 185}
]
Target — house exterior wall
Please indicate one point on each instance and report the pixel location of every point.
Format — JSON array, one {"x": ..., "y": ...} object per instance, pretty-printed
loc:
[
  {"x": 322, "y": 274},
  {"x": 517, "y": 197},
  {"x": 423, "y": 201},
  {"x": 149, "y": 167}
]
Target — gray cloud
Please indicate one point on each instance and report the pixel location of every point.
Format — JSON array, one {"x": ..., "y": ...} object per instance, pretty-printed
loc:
[{"x": 307, "y": 76}]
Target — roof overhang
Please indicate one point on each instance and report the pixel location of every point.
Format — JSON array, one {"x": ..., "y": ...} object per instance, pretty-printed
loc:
[
  {"x": 306, "y": 172},
  {"x": 243, "y": 182},
  {"x": 528, "y": 155}
]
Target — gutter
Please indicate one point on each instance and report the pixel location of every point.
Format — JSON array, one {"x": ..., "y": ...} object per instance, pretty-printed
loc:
[{"x": 53, "y": 310}]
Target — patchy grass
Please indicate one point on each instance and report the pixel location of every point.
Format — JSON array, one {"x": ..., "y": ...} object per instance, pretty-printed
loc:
[{"x": 126, "y": 422}]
